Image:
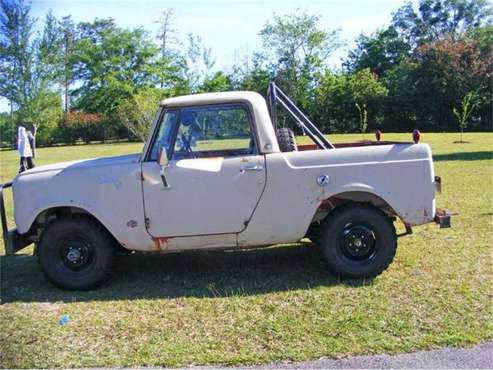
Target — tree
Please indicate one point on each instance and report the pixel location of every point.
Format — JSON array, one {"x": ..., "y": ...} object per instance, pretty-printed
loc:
[
  {"x": 56, "y": 50},
  {"x": 343, "y": 101},
  {"x": 199, "y": 62},
  {"x": 298, "y": 49},
  {"x": 218, "y": 82},
  {"x": 447, "y": 71},
  {"x": 296, "y": 39},
  {"x": 17, "y": 51},
  {"x": 49, "y": 50},
  {"x": 25, "y": 70},
  {"x": 43, "y": 111},
  {"x": 167, "y": 36},
  {"x": 112, "y": 64},
  {"x": 252, "y": 78},
  {"x": 166, "y": 31},
  {"x": 464, "y": 112},
  {"x": 68, "y": 31},
  {"x": 436, "y": 18},
  {"x": 363, "y": 116},
  {"x": 138, "y": 112},
  {"x": 365, "y": 88},
  {"x": 399, "y": 109},
  {"x": 6, "y": 130},
  {"x": 380, "y": 52},
  {"x": 429, "y": 58}
]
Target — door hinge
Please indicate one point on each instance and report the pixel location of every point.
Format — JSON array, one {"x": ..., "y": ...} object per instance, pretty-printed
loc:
[{"x": 147, "y": 223}]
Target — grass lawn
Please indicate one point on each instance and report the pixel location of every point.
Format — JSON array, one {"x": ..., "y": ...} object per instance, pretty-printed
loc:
[{"x": 275, "y": 304}]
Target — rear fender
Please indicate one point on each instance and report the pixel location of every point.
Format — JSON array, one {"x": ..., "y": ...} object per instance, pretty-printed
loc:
[{"x": 363, "y": 195}]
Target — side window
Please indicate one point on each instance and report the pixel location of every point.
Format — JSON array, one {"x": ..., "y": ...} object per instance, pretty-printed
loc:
[
  {"x": 164, "y": 136},
  {"x": 214, "y": 131}
]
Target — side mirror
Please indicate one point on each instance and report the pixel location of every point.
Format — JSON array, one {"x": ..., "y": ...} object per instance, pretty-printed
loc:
[
  {"x": 163, "y": 162},
  {"x": 163, "y": 157}
]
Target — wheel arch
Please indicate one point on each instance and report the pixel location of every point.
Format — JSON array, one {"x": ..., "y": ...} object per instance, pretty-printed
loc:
[
  {"x": 328, "y": 205},
  {"x": 52, "y": 213}
]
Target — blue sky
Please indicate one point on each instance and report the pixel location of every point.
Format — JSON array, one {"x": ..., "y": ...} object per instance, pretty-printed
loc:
[{"x": 231, "y": 27}]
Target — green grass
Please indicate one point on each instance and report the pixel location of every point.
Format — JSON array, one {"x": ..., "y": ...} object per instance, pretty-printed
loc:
[{"x": 275, "y": 304}]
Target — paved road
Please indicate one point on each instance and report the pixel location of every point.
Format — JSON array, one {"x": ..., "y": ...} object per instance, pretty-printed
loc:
[{"x": 477, "y": 357}]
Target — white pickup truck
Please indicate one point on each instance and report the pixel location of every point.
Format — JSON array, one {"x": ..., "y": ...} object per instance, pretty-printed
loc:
[{"x": 215, "y": 172}]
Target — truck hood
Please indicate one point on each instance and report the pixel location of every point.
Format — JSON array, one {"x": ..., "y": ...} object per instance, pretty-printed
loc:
[
  {"x": 85, "y": 163},
  {"x": 86, "y": 184}
]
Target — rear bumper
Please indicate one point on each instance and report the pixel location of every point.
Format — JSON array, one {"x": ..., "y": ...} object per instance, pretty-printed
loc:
[
  {"x": 442, "y": 217},
  {"x": 12, "y": 240}
]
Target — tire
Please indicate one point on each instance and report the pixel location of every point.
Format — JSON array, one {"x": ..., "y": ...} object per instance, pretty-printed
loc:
[
  {"x": 358, "y": 241},
  {"x": 76, "y": 254},
  {"x": 286, "y": 140},
  {"x": 313, "y": 233}
]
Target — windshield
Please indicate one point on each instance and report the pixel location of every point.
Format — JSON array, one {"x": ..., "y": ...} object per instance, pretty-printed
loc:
[{"x": 165, "y": 134}]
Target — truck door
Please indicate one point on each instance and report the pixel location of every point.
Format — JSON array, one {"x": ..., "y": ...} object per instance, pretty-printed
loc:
[{"x": 215, "y": 175}]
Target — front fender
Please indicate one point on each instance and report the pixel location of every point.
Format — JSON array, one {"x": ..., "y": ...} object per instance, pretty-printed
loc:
[{"x": 112, "y": 194}]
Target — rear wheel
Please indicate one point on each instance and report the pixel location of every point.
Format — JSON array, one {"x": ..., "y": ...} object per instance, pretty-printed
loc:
[
  {"x": 358, "y": 241},
  {"x": 76, "y": 254},
  {"x": 286, "y": 140}
]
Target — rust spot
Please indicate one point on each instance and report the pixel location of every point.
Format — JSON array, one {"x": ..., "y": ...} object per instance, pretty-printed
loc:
[
  {"x": 244, "y": 159},
  {"x": 331, "y": 203},
  {"x": 160, "y": 241},
  {"x": 156, "y": 244}
]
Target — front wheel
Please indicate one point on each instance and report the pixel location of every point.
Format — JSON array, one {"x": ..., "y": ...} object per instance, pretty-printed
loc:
[
  {"x": 76, "y": 254},
  {"x": 358, "y": 241}
]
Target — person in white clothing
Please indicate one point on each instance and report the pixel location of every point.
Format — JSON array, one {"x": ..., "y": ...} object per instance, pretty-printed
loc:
[
  {"x": 24, "y": 148},
  {"x": 32, "y": 141}
]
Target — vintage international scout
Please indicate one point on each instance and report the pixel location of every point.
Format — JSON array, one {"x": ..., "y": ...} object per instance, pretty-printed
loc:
[{"x": 216, "y": 172}]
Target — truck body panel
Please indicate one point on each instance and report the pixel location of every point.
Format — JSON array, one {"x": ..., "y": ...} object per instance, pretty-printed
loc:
[
  {"x": 221, "y": 202},
  {"x": 387, "y": 172},
  {"x": 206, "y": 195}
]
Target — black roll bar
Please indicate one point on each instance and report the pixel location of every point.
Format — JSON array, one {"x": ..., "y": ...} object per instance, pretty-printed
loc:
[
  {"x": 3, "y": 216},
  {"x": 274, "y": 96}
]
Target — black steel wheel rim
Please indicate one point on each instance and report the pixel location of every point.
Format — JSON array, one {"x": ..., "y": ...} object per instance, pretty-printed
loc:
[
  {"x": 76, "y": 253},
  {"x": 357, "y": 242}
]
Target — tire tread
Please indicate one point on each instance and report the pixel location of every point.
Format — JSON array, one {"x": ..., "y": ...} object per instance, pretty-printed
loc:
[
  {"x": 324, "y": 241},
  {"x": 104, "y": 241}
]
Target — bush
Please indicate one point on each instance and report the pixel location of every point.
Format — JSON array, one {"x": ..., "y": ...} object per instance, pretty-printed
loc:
[{"x": 83, "y": 126}]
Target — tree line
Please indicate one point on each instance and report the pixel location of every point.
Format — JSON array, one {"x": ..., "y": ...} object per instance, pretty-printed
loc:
[{"x": 431, "y": 69}]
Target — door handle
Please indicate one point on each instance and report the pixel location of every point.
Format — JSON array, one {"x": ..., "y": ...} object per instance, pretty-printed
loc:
[{"x": 255, "y": 167}]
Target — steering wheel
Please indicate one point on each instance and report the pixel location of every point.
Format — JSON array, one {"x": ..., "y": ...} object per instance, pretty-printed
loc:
[{"x": 186, "y": 147}]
